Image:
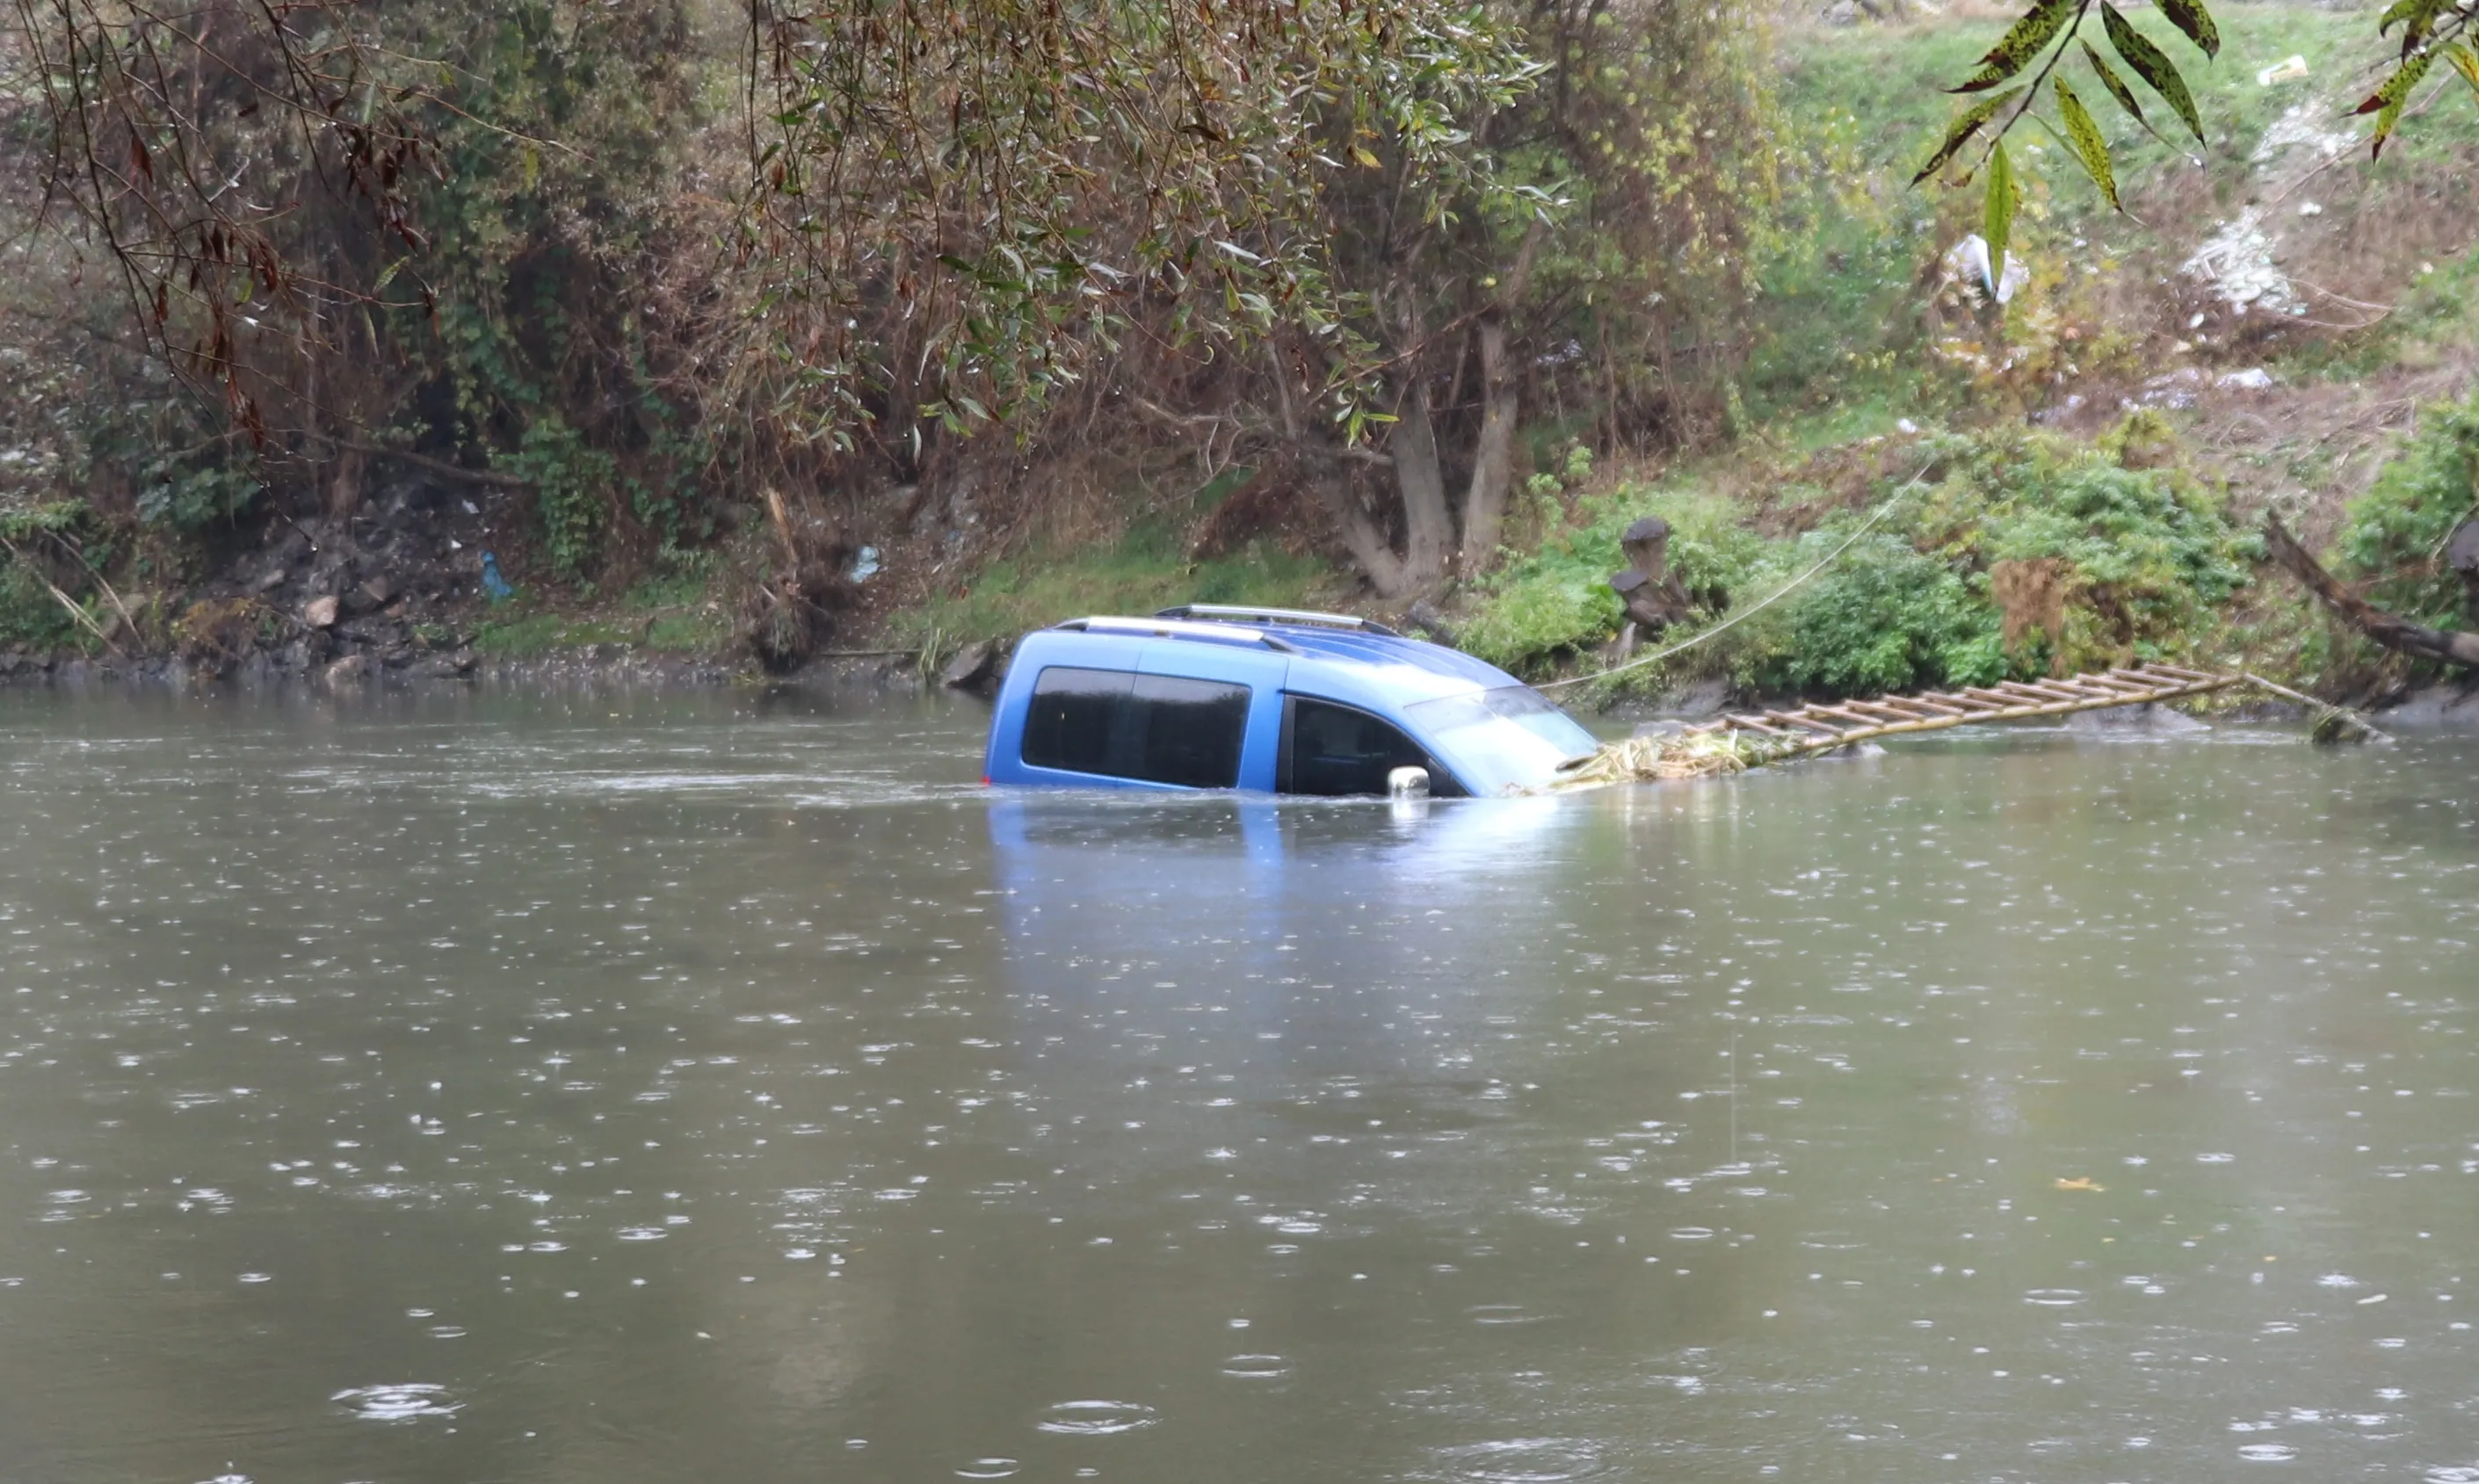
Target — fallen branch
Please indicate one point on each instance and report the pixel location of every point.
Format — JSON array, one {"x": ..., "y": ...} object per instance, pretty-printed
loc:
[
  {"x": 497, "y": 479},
  {"x": 2332, "y": 723},
  {"x": 2392, "y": 632}
]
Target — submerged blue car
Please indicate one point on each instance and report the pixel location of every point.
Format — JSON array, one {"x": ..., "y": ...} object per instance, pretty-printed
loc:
[{"x": 1270, "y": 700}]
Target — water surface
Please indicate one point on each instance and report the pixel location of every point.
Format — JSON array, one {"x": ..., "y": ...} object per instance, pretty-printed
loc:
[{"x": 470, "y": 1088}]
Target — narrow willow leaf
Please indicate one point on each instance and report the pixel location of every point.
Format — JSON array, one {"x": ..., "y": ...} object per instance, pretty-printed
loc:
[
  {"x": 1958, "y": 133},
  {"x": 2152, "y": 64},
  {"x": 1997, "y": 215},
  {"x": 2465, "y": 62},
  {"x": 2191, "y": 17},
  {"x": 2089, "y": 147},
  {"x": 2022, "y": 41},
  {"x": 2116, "y": 85},
  {"x": 2386, "y": 101},
  {"x": 2417, "y": 19}
]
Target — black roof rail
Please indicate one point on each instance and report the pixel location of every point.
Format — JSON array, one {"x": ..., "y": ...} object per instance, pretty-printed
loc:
[{"x": 1241, "y": 613}]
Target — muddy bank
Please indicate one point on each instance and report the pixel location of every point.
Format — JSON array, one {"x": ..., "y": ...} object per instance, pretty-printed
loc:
[
  {"x": 2451, "y": 705},
  {"x": 600, "y": 666}
]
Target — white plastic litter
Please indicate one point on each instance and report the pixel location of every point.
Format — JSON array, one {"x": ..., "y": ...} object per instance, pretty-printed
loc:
[
  {"x": 1968, "y": 260},
  {"x": 2236, "y": 264}
]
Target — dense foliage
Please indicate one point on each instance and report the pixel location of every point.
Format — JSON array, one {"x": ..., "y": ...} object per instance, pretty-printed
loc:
[
  {"x": 639, "y": 260},
  {"x": 2393, "y": 543},
  {"x": 2108, "y": 563}
]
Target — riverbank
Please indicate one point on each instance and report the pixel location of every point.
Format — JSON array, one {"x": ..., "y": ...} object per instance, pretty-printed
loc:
[{"x": 2076, "y": 481}]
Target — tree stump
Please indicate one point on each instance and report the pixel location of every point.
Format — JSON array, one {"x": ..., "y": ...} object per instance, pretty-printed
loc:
[
  {"x": 2462, "y": 554},
  {"x": 1649, "y": 591}
]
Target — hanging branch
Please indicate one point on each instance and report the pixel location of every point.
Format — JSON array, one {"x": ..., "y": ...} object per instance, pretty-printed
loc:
[{"x": 167, "y": 130}]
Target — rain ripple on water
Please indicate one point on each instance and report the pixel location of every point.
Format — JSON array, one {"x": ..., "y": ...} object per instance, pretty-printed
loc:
[
  {"x": 398, "y": 1403},
  {"x": 1097, "y": 1418},
  {"x": 1523, "y": 1461}
]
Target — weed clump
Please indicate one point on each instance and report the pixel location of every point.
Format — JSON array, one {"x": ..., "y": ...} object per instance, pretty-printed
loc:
[
  {"x": 2393, "y": 543},
  {"x": 2030, "y": 553}
]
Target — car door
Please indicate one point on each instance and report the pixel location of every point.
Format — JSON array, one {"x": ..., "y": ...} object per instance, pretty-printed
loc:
[{"x": 1186, "y": 689}]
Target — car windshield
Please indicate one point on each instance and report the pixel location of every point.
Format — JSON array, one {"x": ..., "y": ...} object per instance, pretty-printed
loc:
[{"x": 1510, "y": 737}]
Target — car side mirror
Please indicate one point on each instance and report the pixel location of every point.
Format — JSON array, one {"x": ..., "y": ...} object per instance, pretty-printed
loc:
[{"x": 1407, "y": 783}]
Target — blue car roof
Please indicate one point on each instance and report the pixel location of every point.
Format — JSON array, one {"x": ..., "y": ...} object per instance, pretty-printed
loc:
[
  {"x": 1410, "y": 669},
  {"x": 1365, "y": 663}
]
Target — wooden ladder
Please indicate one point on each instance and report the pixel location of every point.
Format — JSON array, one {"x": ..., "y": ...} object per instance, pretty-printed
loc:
[{"x": 1821, "y": 728}]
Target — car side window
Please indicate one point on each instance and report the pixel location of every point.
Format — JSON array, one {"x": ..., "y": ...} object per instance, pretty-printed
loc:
[
  {"x": 1333, "y": 750},
  {"x": 1157, "y": 728},
  {"x": 1072, "y": 717}
]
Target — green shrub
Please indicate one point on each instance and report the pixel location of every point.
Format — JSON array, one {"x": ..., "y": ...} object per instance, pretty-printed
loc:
[
  {"x": 2150, "y": 553},
  {"x": 2146, "y": 558},
  {"x": 570, "y": 483},
  {"x": 1884, "y": 617},
  {"x": 1558, "y": 601},
  {"x": 30, "y": 618},
  {"x": 189, "y": 496},
  {"x": 1562, "y": 604},
  {"x": 2394, "y": 541}
]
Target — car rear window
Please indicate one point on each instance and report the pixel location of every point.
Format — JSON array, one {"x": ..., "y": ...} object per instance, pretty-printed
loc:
[{"x": 1157, "y": 728}]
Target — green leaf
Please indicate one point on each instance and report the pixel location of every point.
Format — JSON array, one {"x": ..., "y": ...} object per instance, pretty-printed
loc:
[
  {"x": 1966, "y": 124},
  {"x": 2465, "y": 62},
  {"x": 2116, "y": 85},
  {"x": 1997, "y": 215},
  {"x": 2386, "y": 101},
  {"x": 2152, "y": 64},
  {"x": 2084, "y": 136},
  {"x": 2191, "y": 17},
  {"x": 2417, "y": 18},
  {"x": 2022, "y": 41}
]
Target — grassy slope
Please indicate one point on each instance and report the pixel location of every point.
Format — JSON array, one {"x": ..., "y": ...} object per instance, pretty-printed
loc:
[{"x": 1142, "y": 568}]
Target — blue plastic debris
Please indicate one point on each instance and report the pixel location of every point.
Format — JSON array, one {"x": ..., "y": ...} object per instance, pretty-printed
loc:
[{"x": 495, "y": 587}]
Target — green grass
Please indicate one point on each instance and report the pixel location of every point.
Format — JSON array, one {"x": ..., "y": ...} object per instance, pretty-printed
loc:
[
  {"x": 537, "y": 634},
  {"x": 534, "y": 635},
  {"x": 1893, "y": 78},
  {"x": 1141, "y": 572}
]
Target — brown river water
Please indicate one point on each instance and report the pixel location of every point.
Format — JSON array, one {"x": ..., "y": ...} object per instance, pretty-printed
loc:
[{"x": 474, "y": 1088}]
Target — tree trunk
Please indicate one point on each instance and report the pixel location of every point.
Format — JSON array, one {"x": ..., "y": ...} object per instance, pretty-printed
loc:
[
  {"x": 2385, "y": 628},
  {"x": 1493, "y": 454},
  {"x": 1362, "y": 536},
  {"x": 1493, "y": 451},
  {"x": 1428, "y": 523}
]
